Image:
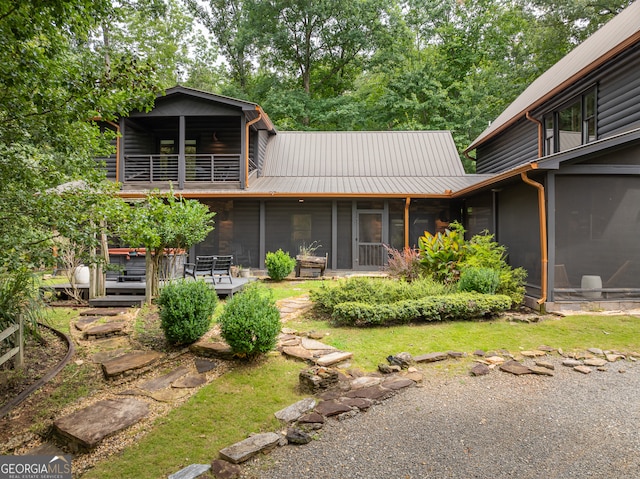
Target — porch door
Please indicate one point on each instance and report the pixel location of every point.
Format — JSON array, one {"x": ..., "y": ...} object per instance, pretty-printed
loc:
[{"x": 369, "y": 252}]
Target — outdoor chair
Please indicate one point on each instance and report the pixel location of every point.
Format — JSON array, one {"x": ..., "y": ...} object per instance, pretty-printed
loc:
[
  {"x": 222, "y": 267},
  {"x": 204, "y": 266}
]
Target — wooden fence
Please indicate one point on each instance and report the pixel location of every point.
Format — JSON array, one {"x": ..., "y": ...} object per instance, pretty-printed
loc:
[{"x": 16, "y": 351}]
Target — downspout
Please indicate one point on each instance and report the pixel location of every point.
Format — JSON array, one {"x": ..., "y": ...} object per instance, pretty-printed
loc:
[
  {"x": 542, "y": 209},
  {"x": 246, "y": 145},
  {"x": 407, "y": 203}
]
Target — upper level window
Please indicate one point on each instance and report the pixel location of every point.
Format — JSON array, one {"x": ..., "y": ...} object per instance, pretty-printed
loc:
[{"x": 572, "y": 125}]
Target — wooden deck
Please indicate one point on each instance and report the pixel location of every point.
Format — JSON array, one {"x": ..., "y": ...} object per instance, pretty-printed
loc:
[{"x": 131, "y": 293}]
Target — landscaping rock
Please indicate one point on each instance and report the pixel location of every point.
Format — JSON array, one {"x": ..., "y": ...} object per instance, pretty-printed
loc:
[
  {"x": 480, "y": 369},
  {"x": 386, "y": 369},
  {"x": 541, "y": 371},
  {"x": 533, "y": 354},
  {"x": 597, "y": 362},
  {"x": 113, "y": 328},
  {"x": 317, "y": 379},
  {"x": 361, "y": 403},
  {"x": 86, "y": 322},
  {"x": 169, "y": 395},
  {"x": 296, "y": 436},
  {"x": 456, "y": 354},
  {"x": 545, "y": 364},
  {"x": 298, "y": 352},
  {"x": 191, "y": 472},
  {"x": 333, "y": 358},
  {"x": 332, "y": 407},
  {"x": 494, "y": 359},
  {"x": 612, "y": 357},
  {"x": 85, "y": 428},
  {"x": 571, "y": 363},
  {"x": 514, "y": 367},
  {"x": 311, "y": 418},
  {"x": 295, "y": 411},
  {"x": 190, "y": 381},
  {"x": 396, "y": 384},
  {"x": 129, "y": 362},
  {"x": 582, "y": 369},
  {"x": 372, "y": 392},
  {"x": 243, "y": 450},
  {"x": 314, "y": 345},
  {"x": 365, "y": 381},
  {"x": 225, "y": 470},
  {"x": 431, "y": 357},
  {"x": 479, "y": 352},
  {"x": 161, "y": 382},
  {"x": 596, "y": 351},
  {"x": 212, "y": 350},
  {"x": 416, "y": 376},
  {"x": 204, "y": 365}
]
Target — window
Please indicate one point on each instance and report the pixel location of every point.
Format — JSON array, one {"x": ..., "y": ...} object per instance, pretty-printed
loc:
[{"x": 571, "y": 125}]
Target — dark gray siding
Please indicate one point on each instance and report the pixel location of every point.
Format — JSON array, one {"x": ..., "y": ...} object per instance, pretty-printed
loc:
[
  {"x": 109, "y": 162},
  {"x": 516, "y": 146},
  {"x": 263, "y": 139},
  {"x": 281, "y": 230},
  {"x": 619, "y": 91}
]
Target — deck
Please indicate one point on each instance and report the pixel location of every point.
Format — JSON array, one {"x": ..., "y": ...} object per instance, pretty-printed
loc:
[{"x": 131, "y": 293}]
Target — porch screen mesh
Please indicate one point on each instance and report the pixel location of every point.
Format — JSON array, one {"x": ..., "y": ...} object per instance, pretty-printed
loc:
[{"x": 597, "y": 235}]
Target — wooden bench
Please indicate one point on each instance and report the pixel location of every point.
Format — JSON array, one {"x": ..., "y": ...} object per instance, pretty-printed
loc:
[{"x": 311, "y": 262}]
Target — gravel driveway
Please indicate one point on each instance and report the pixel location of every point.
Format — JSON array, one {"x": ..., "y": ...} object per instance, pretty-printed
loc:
[{"x": 496, "y": 426}]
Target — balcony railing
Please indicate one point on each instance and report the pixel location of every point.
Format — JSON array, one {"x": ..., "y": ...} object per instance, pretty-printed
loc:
[{"x": 200, "y": 168}]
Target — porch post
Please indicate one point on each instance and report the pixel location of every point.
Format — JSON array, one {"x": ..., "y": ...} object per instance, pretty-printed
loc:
[
  {"x": 262, "y": 233},
  {"x": 243, "y": 152},
  {"x": 181, "y": 158},
  {"x": 334, "y": 235},
  {"x": 551, "y": 234}
]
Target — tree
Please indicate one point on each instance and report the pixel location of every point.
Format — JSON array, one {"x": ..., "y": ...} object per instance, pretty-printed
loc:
[
  {"x": 159, "y": 223},
  {"x": 53, "y": 83}
]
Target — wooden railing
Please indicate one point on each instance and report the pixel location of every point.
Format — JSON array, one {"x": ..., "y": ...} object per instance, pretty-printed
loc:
[
  {"x": 197, "y": 168},
  {"x": 17, "y": 350}
]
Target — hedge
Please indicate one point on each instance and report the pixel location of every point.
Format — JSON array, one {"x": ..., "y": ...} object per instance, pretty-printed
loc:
[{"x": 449, "y": 307}]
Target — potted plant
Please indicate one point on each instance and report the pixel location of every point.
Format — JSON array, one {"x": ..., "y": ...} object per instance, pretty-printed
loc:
[
  {"x": 308, "y": 259},
  {"x": 243, "y": 272}
]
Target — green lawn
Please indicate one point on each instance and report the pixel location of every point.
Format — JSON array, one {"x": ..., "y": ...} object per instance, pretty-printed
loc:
[{"x": 244, "y": 400}]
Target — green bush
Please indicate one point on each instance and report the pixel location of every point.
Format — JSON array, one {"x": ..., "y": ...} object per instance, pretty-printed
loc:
[
  {"x": 460, "y": 306},
  {"x": 279, "y": 265},
  {"x": 481, "y": 280},
  {"x": 250, "y": 322},
  {"x": 186, "y": 308},
  {"x": 373, "y": 291}
]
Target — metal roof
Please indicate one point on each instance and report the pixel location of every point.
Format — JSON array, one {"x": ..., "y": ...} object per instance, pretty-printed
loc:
[
  {"x": 618, "y": 34},
  {"x": 362, "y": 154}
]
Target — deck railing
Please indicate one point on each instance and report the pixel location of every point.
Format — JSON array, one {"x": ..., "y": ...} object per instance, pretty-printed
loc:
[{"x": 197, "y": 168}]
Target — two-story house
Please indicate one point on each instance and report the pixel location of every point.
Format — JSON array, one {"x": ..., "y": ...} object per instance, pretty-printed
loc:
[{"x": 558, "y": 177}]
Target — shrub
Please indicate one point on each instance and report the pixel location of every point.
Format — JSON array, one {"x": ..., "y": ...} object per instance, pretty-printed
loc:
[
  {"x": 250, "y": 322},
  {"x": 404, "y": 264},
  {"x": 484, "y": 252},
  {"x": 460, "y": 306},
  {"x": 185, "y": 310},
  {"x": 481, "y": 280},
  {"x": 279, "y": 265},
  {"x": 441, "y": 253},
  {"x": 373, "y": 291}
]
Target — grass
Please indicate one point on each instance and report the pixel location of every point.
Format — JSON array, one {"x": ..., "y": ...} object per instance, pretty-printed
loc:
[
  {"x": 239, "y": 403},
  {"x": 243, "y": 400}
]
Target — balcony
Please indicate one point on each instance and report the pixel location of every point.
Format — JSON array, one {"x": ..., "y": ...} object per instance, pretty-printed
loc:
[{"x": 195, "y": 169}]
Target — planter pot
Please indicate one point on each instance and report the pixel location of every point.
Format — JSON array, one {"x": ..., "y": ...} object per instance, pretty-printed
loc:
[
  {"x": 245, "y": 273},
  {"x": 81, "y": 275},
  {"x": 591, "y": 282}
]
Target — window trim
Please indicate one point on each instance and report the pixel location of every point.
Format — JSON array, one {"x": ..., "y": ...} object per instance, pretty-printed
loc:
[{"x": 551, "y": 137}]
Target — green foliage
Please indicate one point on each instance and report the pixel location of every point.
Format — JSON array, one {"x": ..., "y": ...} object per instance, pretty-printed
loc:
[
  {"x": 163, "y": 221},
  {"x": 250, "y": 322},
  {"x": 186, "y": 308},
  {"x": 279, "y": 265},
  {"x": 403, "y": 264},
  {"x": 481, "y": 280},
  {"x": 450, "y": 307},
  {"x": 485, "y": 253},
  {"x": 441, "y": 253},
  {"x": 372, "y": 291},
  {"x": 20, "y": 299}
]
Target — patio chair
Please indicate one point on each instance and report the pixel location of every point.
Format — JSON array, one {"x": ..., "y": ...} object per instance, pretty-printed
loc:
[
  {"x": 204, "y": 266},
  {"x": 222, "y": 267}
]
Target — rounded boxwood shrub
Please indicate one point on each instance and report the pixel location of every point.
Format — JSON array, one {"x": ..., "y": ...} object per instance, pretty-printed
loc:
[
  {"x": 186, "y": 308},
  {"x": 250, "y": 322},
  {"x": 279, "y": 265}
]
